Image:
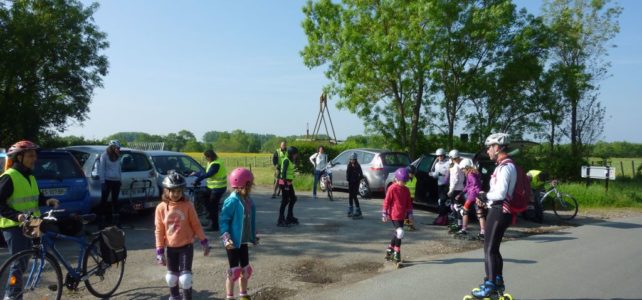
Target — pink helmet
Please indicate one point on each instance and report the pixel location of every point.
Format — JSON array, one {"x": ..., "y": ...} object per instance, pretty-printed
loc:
[
  {"x": 402, "y": 174},
  {"x": 20, "y": 147},
  {"x": 240, "y": 177}
]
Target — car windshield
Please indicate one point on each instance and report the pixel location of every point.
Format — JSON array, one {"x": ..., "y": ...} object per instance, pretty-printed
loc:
[
  {"x": 181, "y": 163},
  {"x": 56, "y": 167},
  {"x": 134, "y": 162},
  {"x": 396, "y": 159}
]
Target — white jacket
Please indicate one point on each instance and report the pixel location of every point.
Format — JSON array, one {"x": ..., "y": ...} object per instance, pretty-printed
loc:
[
  {"x": 439, "y": 171},
  {"x": 319, "y": 161}
]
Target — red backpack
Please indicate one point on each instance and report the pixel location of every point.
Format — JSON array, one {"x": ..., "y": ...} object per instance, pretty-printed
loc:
[{"x": 518, "y": 201}]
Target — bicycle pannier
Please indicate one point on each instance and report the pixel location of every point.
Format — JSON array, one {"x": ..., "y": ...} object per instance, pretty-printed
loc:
[{"x": 112, "y": 245}]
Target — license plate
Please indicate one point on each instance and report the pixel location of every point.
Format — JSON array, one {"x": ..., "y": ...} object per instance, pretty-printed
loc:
[
  {"x": 54, "y": 192},
  {"x": 133, "y": 192}
]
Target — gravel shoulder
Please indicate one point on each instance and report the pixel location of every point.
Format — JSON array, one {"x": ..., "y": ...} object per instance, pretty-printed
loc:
[{"x": 327, "y": 250}]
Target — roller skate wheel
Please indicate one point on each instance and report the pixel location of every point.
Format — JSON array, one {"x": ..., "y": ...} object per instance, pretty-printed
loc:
[
  {"x": 506, "y": 297},
  {"x": 468, "y": 297}
]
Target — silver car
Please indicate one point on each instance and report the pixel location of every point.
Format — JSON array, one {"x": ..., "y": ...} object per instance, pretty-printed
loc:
[
  {"x": 184, "y": 164},
  {"x": 139, "y": 189},
  {"x": 375, "y": 164}
]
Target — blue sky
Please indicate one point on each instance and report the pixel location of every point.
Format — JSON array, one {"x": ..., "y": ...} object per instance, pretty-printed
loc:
[{"x": 226, "y": 65}]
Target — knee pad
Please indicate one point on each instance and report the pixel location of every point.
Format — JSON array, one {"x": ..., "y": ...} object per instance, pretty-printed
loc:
[
  {"x": 247, "y": 272},
  {"x": 172, "y": 279},
  {"x": 481, "y": 213},
  {"x": 399, "y": 232},
  {"x": 234, "y": 273},
  {"x": 185, "y": 280}
]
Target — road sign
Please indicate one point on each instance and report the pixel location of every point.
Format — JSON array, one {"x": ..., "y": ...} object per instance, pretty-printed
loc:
[{"x": 598, "y": 172}]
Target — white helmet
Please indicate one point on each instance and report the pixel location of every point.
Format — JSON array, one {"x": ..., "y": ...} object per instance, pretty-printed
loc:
[
  {"x": 440, "y": 151},
  {"x": 500, "y": 138},
  {"x": 454, "y": 153},
  {"x": 464, "y": 163},
  {"x": 115, "y": 143}
]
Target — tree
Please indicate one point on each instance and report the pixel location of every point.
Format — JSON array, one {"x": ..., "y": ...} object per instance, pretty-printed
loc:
[
  {"x": 583, "y": 31},
  {"x": 50, "y": 64},
  {"x": 378, "y": 56}
]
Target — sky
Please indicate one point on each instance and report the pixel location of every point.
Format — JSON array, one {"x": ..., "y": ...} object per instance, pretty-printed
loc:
[{"x": 226, "y": 65}]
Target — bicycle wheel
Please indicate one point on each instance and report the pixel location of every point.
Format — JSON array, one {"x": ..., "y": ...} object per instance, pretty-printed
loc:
[
  {"x": 329, "y": 190},
  {"x": 103, "y": 279},
  {"x": 565, "y": 206},
  {"x": 26, "y": 275}
]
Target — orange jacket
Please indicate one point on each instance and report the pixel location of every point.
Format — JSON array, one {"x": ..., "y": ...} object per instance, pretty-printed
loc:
[{"x": 177, "y": 224}]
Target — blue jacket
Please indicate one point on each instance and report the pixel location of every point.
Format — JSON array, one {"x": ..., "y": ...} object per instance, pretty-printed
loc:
[{"x": 231, "y": 218}]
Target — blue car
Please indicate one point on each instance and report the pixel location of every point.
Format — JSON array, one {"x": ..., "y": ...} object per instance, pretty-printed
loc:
[{"x": 59, "y": 176}]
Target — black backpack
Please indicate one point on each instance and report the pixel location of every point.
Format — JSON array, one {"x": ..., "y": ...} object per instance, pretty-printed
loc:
[{"x": 112, "y": 245}]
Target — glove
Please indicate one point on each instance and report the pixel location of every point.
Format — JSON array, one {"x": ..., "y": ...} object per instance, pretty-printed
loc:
[
  {"x": 227, "y": 241},
  {"x": 410, "y": 216},
  {"x": 384, "y": 217},
  {"x": 256, "y": 240},
  {"x": 160, "y": 256},
  {"x": 450, "y": 194},
  {"x": 206, "y": 247},
  {"x": 281, "y": 182},
  {"x": 53, "y": 202}
]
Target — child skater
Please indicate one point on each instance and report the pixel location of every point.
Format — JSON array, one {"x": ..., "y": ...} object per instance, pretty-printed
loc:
[
  {"x": 238, "y": 225},
  {"x": 396, "y": 206},
  {"x": 176, "y": 225},
  {"x": 472, "y": 189},
  {"x": 354, "y": 174}
]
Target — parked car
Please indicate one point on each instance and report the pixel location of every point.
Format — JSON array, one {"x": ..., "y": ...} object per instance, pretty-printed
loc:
[
  {"x": 426, "y": 186},
  {"x": 139, "y": 189},
  {"x": 165, "y": 161},
  {"x": 59, "y": 176},
  {"x": 375, "y": 163}
]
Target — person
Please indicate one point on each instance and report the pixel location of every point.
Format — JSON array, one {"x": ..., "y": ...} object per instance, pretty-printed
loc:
[
  {"x": 502, "y": 185},
  {"x": 538, "y": 181},
  {"x": 439, "y": 171},
  {"x": 397, "y": 205},
  {"x": 354, "y": 174},
  {"x": 277, "y": 160},
  {"x": 412, "y": 187},
  {"x": 471, "y": 190},
  {"x": 109, "y": 174},
  {"x": 319, "y": 160},
  {"x": 238, "y": 224},
  {"x": 216, "y": 183},
  {"x": 177, "y": 224},
  {"x": 456, "y": 187},
  {"x": 19, "y": 196},
  {"x": 288, "y": 197}
]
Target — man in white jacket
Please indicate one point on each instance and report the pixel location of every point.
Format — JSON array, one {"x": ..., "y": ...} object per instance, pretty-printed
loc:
[{"x": 439, "y": 171}]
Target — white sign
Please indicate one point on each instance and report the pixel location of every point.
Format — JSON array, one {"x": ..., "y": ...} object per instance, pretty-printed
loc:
[{"x": 598, "y": 172}]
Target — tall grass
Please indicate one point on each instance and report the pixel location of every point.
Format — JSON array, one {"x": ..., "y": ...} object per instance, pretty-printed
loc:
[
  {"x": 624, "y": 166},
  {"x": 623, "y": 192}
]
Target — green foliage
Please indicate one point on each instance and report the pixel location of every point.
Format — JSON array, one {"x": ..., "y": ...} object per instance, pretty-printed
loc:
[
  {"x": 50, "y": 64},
  {"x": 616, "y": 149},
  {"x": 623, "y": 192},
  {"x": 57, "y": 141}
]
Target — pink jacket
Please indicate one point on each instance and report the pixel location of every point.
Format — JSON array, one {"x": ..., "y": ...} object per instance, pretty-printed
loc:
[{"x": 397, "y": 203}]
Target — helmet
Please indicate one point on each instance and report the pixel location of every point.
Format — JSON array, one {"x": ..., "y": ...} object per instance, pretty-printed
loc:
[
  {"x": 440, "y": 151},
  {"x": 353, "y": 155},
  {"x": 173, "y": 180},
  {"x": 412, "y": 169},
  {"x": 21, "y": 146},
  {"x": 115, "y": 143},
  {"x": 454, "y": 153},
  {"x": 465, "y": 163},
  {"x": 292, "y": 150},
  {"x": 240, "y": 177},
  {"x": 500, "y": 138},
  {"x": 402, "y": 174}
]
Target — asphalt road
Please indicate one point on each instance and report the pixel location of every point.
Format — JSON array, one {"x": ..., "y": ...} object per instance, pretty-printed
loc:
[{"x": 597, "y": 261}]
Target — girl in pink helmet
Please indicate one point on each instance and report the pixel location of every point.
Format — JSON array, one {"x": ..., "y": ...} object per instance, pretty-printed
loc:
[
  {"x": 237, "y": 223},
  {"x": 397, "y": 206}
]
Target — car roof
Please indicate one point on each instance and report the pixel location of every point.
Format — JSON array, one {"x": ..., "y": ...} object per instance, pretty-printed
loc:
[
  {"x": 374, "y": 150},
  {"x": 164, "y": 153},
  {"x": 97, "y": 148}
]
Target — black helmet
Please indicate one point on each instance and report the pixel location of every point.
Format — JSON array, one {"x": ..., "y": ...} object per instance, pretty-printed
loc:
[
  {"x": 292, "y": 150},
  {"x": 412, "y": 169},
  {"x": 173, "y": 180}
]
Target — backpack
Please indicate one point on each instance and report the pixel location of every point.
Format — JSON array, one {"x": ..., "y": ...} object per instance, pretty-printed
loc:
[
  {"x": 112, "y": 245},
  {"x": 518, "y": 201}
]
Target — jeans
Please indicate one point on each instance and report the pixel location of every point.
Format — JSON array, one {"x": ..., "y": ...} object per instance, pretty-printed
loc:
[
  {"x": 16, "y": 242},
  {"x": 317, "y": 178}
]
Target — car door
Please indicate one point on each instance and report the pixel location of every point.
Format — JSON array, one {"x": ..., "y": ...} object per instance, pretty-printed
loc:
[
  {"x": 426, "y": 188},
  {"x": 339, "y": 168},
  {"x": 59, "y": 176}
]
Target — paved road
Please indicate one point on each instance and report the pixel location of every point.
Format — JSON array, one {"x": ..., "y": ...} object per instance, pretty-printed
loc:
[{"x": 597, "y": 261}]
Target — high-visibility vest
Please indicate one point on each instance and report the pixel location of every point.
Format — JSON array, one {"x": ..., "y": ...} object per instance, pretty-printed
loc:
[
  {"x": 24, "y": 197},
  {"x": 535, "y": 182},
  {"x": 289, "y": 173},
  {"x": 411, "y": 185},
  {"x": 283, "y": 154},
  {"x": 218, "y": 180}
]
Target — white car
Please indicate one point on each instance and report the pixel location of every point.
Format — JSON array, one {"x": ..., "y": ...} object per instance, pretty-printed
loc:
[
  {"x": 138, "y": 190},
  {"x": 182, "y": 163}
]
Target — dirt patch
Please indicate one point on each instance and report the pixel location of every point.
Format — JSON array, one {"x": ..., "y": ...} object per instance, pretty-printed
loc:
[
  {"x": 273, "y": 293},
  {"x": 363, "y": 267},
  {"x": 314, "y": 271},
  {"x": 329, "y": 227}
]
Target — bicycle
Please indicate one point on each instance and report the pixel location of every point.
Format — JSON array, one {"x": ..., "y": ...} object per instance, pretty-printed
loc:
[
  {"x": 564, "y": 205},
  {"x": 325, "y": 182},
  {"x": 36, "y": 274}
]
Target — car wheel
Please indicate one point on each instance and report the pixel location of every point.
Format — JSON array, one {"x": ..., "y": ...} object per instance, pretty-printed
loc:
[{"x": 364, "y": 188}]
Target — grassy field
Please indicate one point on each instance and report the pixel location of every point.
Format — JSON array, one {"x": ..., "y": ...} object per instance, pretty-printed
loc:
[
  {"x": 261, "y": 166},
  {"x": 623, "y": 166},
  {"x": 623, "y": 192}
]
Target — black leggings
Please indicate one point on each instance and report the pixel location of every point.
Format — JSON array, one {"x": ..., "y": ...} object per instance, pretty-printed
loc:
[
  {"x": 179, "y": 259},
  {"x": 353, "y": 190},
  {"x": 288, "y": 198},
  {"x": 396, "y": 241},
  {"x": 238, "y": 256},
  {"x": 496, "y": 223},
  {"x": 107, "y": 188},
  {"x": 213, "y": 203}
]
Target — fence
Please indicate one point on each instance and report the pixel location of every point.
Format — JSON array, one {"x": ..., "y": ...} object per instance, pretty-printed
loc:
[{"x": 622, "y": 165}]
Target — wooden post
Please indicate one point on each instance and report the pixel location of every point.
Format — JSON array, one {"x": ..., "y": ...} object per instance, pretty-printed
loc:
[
  {"x": 632, "y": 169},
  {"x": 588, "y": 178},
  {"x": 622, "y": 168},
  {"x": 608, "y": 173}
]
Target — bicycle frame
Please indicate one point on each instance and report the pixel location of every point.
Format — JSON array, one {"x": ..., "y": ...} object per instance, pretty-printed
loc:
[
  {"x": 544, "y": 195},
  {"x": 48, "y": 245}
]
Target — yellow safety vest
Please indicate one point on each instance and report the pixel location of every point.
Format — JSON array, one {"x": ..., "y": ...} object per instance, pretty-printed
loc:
[
  {"x": 535, "y": 183},
  {"x": 411, "y": 185},
  {"x": 218, "y": 180},
  {"x": 282, "y": 155},
  {"x": 289, "y": 173},
  {"x": 24, "y": 197}
]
